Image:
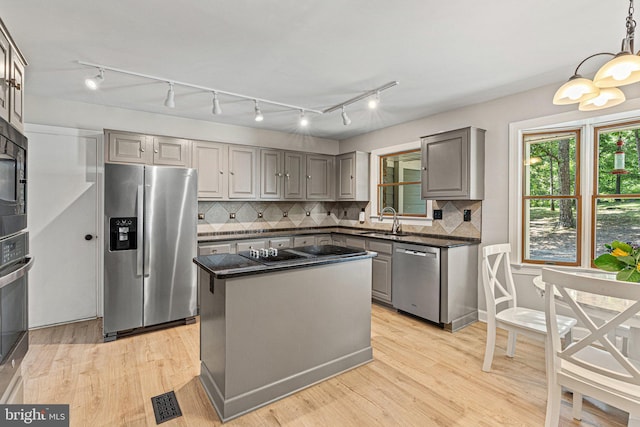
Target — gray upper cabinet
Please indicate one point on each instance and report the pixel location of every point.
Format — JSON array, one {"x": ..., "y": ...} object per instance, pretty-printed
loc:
[
  {"x": 128, "y": 148},
  {"x": 294, "y": 176},
  {"x": 210, "y": 159},
  {"x": 170, "y": 151},
  {"x": 271, "y": 174},
  {"x": 453, "y": 165},
  {"x": 243, "y": 172},
  {"x": 352, "y": 176},
  {"x": 12, "y": 65},
  {"x": 319, "y": 177}
]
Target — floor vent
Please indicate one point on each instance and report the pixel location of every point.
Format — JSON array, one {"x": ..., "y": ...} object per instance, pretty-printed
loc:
[{"x": 165, "y": 407}]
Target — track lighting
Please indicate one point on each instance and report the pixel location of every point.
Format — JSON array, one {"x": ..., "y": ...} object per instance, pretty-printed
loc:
[
  {"x": 373, "y": 102},
  {"x": 259, "y": 117},
  {"x": 170, "y": 99},
  {"x": 304, "y": 122},
  {"x": 94, "y": 83},
  {"x": 345, "y": 119},
  {"x": 216, "y": 105}
]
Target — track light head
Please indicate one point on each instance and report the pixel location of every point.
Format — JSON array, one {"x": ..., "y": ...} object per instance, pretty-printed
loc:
[
  {"x": 304, "y": 122},
  {"x": 216, "y": 105},
  {"x": 94, "y": 83},
  {"x": 170, "y": 100},
  {"x": 374, "y": 101},
  {"x": 259, "y": 117},
  {"x": 345, "y": 119}
]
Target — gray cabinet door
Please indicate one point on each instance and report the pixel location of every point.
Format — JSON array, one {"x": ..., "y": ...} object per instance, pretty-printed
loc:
[
  {"x": 5, "y": 69},
  {"x": 294, "y": 175},
  {"x": 453, "y": 165},
  {"x": 127, "y": 148},
  {"x": 271, "y": 174},
  {"x": 243, "y": 173},
  {"x": 319, "y": 177},
  {"x": 346, "y": 169},
  {"x": 16, "y": 92},
  {"x": 381, "y": 278},
  {"x": 210, "y": 159},
  {"x": 170, "y": 151}
]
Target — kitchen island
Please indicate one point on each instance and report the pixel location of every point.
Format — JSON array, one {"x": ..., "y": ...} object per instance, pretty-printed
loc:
[{"x": 273, "y": 324}]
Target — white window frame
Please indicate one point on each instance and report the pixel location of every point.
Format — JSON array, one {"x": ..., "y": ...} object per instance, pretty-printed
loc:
[
  {"x": 558, "y": 122},
  {"x": 374, "y": 161}
]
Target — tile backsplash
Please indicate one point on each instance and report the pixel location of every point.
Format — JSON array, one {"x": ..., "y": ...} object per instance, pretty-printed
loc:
[{"x": 261, "y": 215}]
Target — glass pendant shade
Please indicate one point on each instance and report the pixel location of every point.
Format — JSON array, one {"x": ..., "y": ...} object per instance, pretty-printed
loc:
[
  {"x": 608, "y": 98},
  {"x": 622, "y": 70},
  {"x": 577, "y": 89}
]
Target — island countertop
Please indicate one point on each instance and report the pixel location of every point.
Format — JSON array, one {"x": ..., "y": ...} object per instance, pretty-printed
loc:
[{"x": 223, "y": 266}]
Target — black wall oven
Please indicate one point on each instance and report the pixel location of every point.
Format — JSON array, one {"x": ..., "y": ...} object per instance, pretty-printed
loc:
[{"x": 13, "y": 180}]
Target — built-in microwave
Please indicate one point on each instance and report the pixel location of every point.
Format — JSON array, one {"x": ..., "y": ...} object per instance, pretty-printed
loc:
[{"x": 13, "y": 180}]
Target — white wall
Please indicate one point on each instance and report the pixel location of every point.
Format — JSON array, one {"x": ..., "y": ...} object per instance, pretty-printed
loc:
[
  {"x": 78, "y": 115},
  {"x": 495, "y": 117}
]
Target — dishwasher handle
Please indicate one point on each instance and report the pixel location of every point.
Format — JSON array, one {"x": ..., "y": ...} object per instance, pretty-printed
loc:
[{"x": 416, "y": 253}]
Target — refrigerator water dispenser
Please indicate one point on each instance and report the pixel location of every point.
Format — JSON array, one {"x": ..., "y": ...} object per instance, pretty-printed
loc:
[{"x": 123, "y": 234}]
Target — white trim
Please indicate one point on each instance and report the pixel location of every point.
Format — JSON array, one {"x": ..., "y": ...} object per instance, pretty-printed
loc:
[
  {"x": 374, "y": 161},
  {"x": 575, "y": 119}
]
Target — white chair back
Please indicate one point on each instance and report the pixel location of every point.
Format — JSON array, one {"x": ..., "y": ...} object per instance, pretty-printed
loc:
[
  {"x": 496, "y": 291},
  {"x": 619, "y": 366}
]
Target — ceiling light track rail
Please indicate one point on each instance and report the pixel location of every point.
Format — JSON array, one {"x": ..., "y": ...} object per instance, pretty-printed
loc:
[{"x": 372, "y": 92}]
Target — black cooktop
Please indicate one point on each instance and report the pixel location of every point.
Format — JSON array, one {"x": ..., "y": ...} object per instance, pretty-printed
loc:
[{"x": 326, "y": 250}]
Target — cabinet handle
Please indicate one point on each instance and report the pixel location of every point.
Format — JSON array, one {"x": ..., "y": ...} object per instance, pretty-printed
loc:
[
  {"x": 308, "y": 176},
  {"x": 286, "y": 175},
  {"x": 278, "y": 174},
  {"x": 221, "y": 173},
  {"x": 213, "y": 251},
  {"x": 155, "y": 151},
  {"x": 231, "y": 173},
  {"x": 351, "y": 176},
  {"x": 142, "y": 150},
  {"x": 12, "y": 83},
  {"x": 424, "y": 169}
]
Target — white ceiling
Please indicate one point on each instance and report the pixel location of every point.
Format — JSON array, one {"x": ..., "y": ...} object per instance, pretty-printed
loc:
[{"x": 312, "y": 53}]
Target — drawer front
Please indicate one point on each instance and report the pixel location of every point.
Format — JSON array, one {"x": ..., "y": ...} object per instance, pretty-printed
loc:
[
  {"x": 251, "y": 244},
  {"x": 356, "y": 243},
  {"x": 222, "y": 248},
  {"x": 280, "y": 243},
  {"x": 380, "y": 247},
  {"x": 324, "y": 240},
  {"x": 303, "y": 241}
]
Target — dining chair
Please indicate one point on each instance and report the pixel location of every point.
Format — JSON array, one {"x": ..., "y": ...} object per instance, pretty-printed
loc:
[
  {"x": 499, "y": 291},
  {"x": 594, "y": 365}
]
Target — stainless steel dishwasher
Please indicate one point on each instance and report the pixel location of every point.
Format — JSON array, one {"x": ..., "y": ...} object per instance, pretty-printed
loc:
[{"x": 416, "y": 280}]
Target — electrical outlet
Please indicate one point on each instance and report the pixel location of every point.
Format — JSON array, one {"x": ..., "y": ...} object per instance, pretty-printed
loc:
[
  {"x": 308, "y": 213},
  {"x": 200, "y": 215},
  {"x": 232, "y": 216},
  {"x": 467, "y": 215},
  {"x": 285, "y": 214},
  {"x": 260, "y": 215},
  {"x": 437, "y": 214}
]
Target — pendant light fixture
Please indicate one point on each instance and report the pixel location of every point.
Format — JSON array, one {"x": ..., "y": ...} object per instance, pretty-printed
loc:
[
  {"x": 170, "y": 100},
  {"x": 258, "y": 117},
  {"x": 94, "y": 83},
  {"x": 603, "y": 91},
  {"x": 216, "y": 110}
]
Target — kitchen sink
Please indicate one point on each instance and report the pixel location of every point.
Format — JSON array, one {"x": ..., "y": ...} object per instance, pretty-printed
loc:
[{"x": 382, "y": 233}]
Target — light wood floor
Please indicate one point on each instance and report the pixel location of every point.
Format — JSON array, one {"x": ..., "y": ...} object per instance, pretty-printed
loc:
[{"x": 421, "y": 376}]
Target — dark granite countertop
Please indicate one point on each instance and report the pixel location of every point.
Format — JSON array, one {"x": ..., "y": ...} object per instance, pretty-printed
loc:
[
  {"x": 412, "y": 238},
  {"x": 225, "y": 266}
]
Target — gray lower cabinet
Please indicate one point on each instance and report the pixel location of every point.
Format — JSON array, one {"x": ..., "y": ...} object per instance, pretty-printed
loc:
[
  {"x": 323, "y": 239},
  {"x": 245, "y": 245},
  {"x": 381, "y": 270},
  {"x": 359, "y": 243},
  {"x": 306, "y": 240},
  {"x": 339, "y": 240},
  {"x": 280, "y": 243}
]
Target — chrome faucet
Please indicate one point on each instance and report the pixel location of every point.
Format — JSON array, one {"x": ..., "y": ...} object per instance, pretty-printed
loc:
[{"x": 395, "y": 228}]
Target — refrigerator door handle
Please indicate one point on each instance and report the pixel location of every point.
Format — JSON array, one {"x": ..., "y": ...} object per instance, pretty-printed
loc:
[
  {"x": 140, "y": 235},
  {"x": 147, "y": 231}
]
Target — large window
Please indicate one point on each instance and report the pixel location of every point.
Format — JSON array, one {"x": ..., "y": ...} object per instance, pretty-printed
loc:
[
  {"x": 616, "y": 187},
  {"x": 399, "y": 183},
  {"x": 551, "y": 202},
  {"x": 555, "y": 218}
]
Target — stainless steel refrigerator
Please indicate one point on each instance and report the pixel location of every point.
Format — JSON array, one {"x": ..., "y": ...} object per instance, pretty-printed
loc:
[{"x": 150, "y": 241}]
